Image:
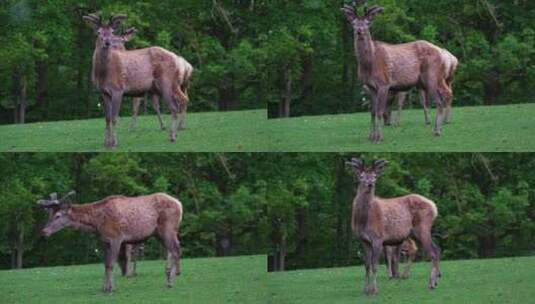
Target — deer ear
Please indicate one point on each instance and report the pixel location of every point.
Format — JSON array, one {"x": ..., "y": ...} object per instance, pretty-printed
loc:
[
  {"x": 129, "y": 33},
  {"x": 372, "y": 12},
  {"x": 379, "y": 166},
  {"x": 357, "y": 165},
  {"x": 349, "y": 12}
]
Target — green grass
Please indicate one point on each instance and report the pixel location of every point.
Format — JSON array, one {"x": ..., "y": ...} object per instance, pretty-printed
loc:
[
  {"x": 206, "y": 132},
  {"x": 210, "y": 280},
  {"x": 474, "y": 129},
  {"x": 476, "y": 281}
]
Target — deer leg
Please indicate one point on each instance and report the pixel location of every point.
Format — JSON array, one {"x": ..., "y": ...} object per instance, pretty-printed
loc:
[
  {"x": 424, "y": 99},
  {"x": 116, "y": 106},
  {"x": 112, "y": 252},
  {"x": 377, "y": 248},
  {"x": 122, "y": 261},
  {"x": 129, "y": 260},
  {"x": 136, "y": 101},
  {"x": 380, "y": 103},
  {"x": 440, "y": 112},
  {"x": 367, "y": 265},
  {"x": 400, "y": 100},
  {"x": 183, "y": 108},
  {"x": 424, "y": 236},
  {"x": 173, "y": 258},
  {"x": 173, "y": 107},
  {"x": 156, "y": 106},
  {"x": 395, "y": 261},
  {"x": 388, "y": 257}
]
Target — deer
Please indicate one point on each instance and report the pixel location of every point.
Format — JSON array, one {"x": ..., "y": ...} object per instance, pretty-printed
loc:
[
  {"x": 393, "y": 256},
  {"x": 117, "y": 72},
  {"x": 386, "y": 68},
  {"x": 119, "y": 44},
  {"x": 119, "y": 221},
  {"x": 128, "y": 256},
  {"x": 379, "y": 222}
]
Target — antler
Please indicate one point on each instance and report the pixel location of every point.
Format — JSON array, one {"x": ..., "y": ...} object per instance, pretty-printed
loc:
[
  {"x": 53, "y": 201},
  {"x": 379, "y": 165},
  {"x": 115, "y": 20},
  {"x": 374, "y": 10},
  {"x": 355, "y": 163},
  {"x": 94, "y": 20}
]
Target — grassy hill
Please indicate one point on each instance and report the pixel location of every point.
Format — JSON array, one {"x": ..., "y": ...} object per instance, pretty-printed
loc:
[
  {"x": 210, "y": 280},
  {"x": 474, "y": 129},
  {"x": 206, "y": 132},
  {"x": 475, "y": 281}
]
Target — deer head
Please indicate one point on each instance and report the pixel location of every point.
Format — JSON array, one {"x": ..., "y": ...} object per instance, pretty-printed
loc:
[
  {"x": 106, "y": 37},
  {"x": 361, "y": 25},
  {"x": 367, "y": 177},
  {"x": 59, "y": 211}
]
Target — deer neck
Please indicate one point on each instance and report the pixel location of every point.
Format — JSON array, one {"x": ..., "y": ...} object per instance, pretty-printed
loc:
[
  {"x": 101, "y": 58},
  {"x": 365, "y": 196},
  {"x": 83, "y": 218},
  {"x": 365, "y": 52}
]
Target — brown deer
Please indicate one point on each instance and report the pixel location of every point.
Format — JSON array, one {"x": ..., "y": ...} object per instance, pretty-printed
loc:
[
  {"x": 451, "y": 63},
  {"x": 386, "y": 68},
  {"x": 119, "y": 220},
  {"x": 379, "y": 222},
  {"x": 119, "y": 44},
  {"x": 393, "y": 256},
  {"x": 117, "y": 72}
]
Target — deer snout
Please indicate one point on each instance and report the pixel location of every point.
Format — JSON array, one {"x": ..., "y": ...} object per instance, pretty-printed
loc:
[{"x": 46, "y": 232}]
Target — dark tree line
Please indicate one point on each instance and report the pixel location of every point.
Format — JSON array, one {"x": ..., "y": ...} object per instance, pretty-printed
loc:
[
  {"x": 294, "y": 205},
  {"x": 295, "y": 56}
]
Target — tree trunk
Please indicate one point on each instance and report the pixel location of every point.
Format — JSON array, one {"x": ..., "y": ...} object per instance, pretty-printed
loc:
[
  {"x": 301, "y": 233},
  {"x": 19, "y": 248},
  {"x": 282, "y": 254},
  {"x": 284, "y": 109},
  {"x": 42, "y": 79},
  {"x": 227, "y": 98},
  {"x": 492, "y": 88},
  {"x": 22, "y": 102},
  {"x": 307, "y": 82}
]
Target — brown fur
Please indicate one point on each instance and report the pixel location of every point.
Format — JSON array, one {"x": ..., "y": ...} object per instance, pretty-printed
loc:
[
  {"x": 378, "y": 222},
  {"x": 386, "y": 68},
  {"x": 118, "y": 72},
  {"x": 120, "y": 220}
]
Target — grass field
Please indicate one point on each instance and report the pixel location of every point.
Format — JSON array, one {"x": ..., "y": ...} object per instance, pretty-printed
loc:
[
  {"x": 206, "y": 132},
  {"x": 211, "y": 280},
  {"x": 474, "y": 129},
  {"x": 476, "y": 281}
]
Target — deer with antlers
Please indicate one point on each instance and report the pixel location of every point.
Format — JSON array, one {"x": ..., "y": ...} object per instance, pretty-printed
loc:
[
  {"x": 386, "y": 68},
  {"x": 120, "y": 221},
  {"x": 379, "y": 222},
  {"x": 118, "y": 72}
]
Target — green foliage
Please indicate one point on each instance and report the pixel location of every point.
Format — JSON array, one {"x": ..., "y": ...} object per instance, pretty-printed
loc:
[{"x": 246, "y": 52}]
